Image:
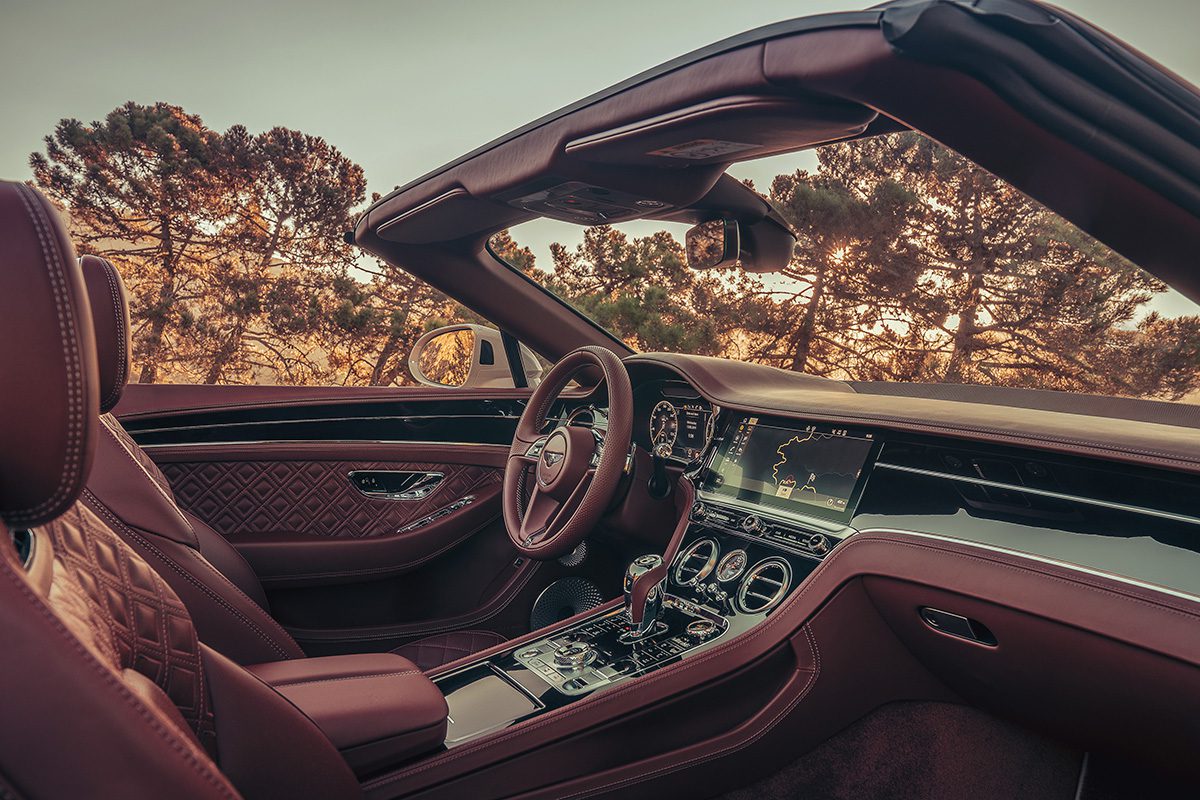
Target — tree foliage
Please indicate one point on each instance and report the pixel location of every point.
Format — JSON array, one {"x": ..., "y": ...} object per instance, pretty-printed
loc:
[{"x": 911, "y": 264}]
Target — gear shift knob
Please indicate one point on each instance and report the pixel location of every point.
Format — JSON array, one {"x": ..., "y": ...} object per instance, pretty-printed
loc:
[{"x": 643, "y": 595}]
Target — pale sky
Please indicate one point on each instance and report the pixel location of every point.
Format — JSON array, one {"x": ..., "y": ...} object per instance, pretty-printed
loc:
[{"x": 400, "y": 87}]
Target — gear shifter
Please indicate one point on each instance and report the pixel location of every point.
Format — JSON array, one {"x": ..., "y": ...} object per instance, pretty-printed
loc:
[{"x": 643, "y": 596}]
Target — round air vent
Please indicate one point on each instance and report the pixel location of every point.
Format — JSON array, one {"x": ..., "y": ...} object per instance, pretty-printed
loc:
[
  {"x": 766, "y": 583},
  {"x": 696, "y": 562}
]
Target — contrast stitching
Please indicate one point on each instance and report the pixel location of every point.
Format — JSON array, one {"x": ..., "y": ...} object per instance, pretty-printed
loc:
[
  {"x": 114, "y": 392},
  {"x": 76, "y": 420},
  {"x": 186, "y": 750},
  {"x": 278, "y": 684},
  {"x": 103, "y": 510}
]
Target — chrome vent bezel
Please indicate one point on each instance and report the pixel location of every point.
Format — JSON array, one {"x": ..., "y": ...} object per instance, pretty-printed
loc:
[
  {"x": 690, "y": 555},
  {"x": 752, "y": 601}
]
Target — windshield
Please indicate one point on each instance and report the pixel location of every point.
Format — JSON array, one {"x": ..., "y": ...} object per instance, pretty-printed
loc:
[{"x": 911, "y": 264}]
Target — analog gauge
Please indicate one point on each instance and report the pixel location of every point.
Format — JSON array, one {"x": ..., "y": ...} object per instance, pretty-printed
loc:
[
  {"x": 732, "y": 566},
  {"x": 664, "y": 424}
]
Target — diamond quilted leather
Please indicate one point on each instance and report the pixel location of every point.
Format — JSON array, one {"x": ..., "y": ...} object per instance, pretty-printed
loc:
[
  {"x": 119, "y": 606},
  {"x": 309, "y": 497},
  {"x": 433, "y": 651}
]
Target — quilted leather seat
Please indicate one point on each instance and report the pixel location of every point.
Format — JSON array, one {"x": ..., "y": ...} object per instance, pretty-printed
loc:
[
  {"x": 109, "y": 692},
  {"x": 130, "y": 493}
]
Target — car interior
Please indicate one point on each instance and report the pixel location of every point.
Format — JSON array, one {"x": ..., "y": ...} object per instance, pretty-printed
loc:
[{"x": 594, "y": 582}]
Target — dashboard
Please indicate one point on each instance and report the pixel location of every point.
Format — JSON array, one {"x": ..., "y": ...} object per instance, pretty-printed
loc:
[{"x": 795, "y": 486}]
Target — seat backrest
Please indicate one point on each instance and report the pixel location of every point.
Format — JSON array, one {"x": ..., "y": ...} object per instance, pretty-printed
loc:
[
  {"x": 108, "y": 692},
  {"x": 131, "y": 494}
]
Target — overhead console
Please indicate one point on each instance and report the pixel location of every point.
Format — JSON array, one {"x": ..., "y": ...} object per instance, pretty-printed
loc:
[{"x": 745, "y": 126}]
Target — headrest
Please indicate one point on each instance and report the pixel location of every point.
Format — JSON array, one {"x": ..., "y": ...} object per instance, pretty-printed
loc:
[
  {"x": 110, "y": 311},
  {"x": 48, "y": 403}
]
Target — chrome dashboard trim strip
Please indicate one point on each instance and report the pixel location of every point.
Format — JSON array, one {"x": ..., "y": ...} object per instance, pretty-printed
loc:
[
  {"x": 1096, "y": 573},
  {"x": 318, "y": 442},
  {"x": 308, "y": 421},
  {"x": 1071, "y": 498}
]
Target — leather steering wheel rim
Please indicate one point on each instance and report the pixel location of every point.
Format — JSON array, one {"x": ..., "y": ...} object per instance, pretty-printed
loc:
[{"x": 574, "y": 477}]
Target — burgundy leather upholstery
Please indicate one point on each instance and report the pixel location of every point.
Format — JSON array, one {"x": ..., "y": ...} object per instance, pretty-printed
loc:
[
  {"x": 120, "y": 606},
  {"x": 49, "y": 363},
  {"x": 307, "y": 497},
  {"x": 110, "y": 313},
  {"x": 222, "y": 593},
  {"x": 378, "y": 709},
  {"x": 107, "y": 693},
  {"x": 433, "y": 651}
]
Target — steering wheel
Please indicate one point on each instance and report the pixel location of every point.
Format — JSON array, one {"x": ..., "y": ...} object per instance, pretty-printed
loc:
[{"x": 558, "y": 485}]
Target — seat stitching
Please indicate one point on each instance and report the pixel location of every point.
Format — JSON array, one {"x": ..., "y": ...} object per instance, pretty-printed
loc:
[
  {"x": 346, "y": 678},
  {"x": 75, "y": 391},
  {"x": 108, "y": 677},
  {"x": 104, "y": 511},
  {"x": 111, "y": 277}
]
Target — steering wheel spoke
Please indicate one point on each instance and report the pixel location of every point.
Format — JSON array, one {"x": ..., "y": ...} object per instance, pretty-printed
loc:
[{"x": 574, "y": 471}]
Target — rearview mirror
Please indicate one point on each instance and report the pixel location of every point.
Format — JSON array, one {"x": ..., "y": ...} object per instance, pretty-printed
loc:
[
  {"x": 712, "y": 244},
  {"x": 468, "y": 357}
]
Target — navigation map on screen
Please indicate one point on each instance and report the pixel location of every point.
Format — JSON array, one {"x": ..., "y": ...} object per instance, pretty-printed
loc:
[{"x": 784, "y": 467}]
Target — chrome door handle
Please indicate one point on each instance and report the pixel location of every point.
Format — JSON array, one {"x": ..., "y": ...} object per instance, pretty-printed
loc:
[{"x": 395, "y": 484}]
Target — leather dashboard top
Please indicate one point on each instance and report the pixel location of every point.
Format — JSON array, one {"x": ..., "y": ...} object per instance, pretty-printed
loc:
[{"x": 753, "y": 387}]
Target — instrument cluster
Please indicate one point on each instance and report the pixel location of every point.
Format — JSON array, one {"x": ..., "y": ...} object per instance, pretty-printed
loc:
[{"x": 673, "y": 420}]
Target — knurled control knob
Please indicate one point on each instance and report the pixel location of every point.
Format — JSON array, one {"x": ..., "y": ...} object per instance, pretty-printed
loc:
[
  {"x": 751, "y": 523},
  {"x": 818, "y": 543},
  {"x": 575, "y": 655},
  {"x": 699, "y": 512}
]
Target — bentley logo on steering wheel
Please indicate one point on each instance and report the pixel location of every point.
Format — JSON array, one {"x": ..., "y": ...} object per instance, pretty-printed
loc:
[{"x": 551, "y": 458}]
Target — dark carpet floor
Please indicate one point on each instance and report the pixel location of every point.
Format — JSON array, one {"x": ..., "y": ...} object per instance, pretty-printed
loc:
[
  {"x": 926, "y": 751},
  {"x": 938, "y": 751}
]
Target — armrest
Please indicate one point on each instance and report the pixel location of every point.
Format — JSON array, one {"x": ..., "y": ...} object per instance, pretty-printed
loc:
[{"x": 378, "y": 709}]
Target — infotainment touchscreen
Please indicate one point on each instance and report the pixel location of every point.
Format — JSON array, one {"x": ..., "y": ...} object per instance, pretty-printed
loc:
[{"x": 803, "y": 470}]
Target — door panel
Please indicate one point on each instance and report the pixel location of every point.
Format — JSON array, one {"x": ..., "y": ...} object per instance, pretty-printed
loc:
[
  {"x": 295, "y": 515},
  {"x": 268, "y": 468}
]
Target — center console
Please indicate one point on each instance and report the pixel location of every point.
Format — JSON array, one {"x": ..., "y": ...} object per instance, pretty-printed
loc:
[{"x": 773, "y": 499}]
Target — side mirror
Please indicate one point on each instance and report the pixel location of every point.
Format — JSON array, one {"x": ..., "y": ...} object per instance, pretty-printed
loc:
[
  {"x": 468, "y": 357},
  {"x": 713, "y": 244}
]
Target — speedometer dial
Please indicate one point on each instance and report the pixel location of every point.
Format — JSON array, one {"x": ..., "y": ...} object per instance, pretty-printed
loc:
[{"x": 664, "y": 424}]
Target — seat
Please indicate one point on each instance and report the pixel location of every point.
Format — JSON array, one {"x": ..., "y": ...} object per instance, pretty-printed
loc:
[
  {"x": 129, "y": 492},
  {"x": 109, "y": 692}
]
